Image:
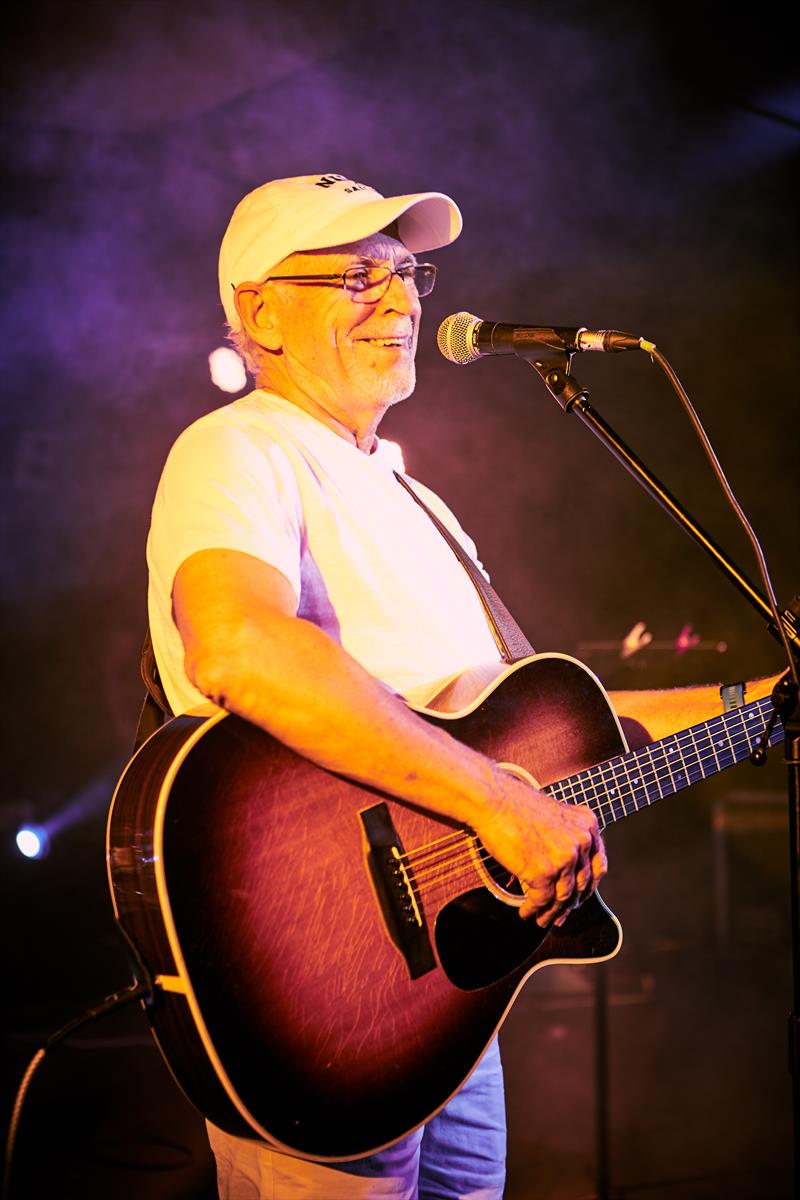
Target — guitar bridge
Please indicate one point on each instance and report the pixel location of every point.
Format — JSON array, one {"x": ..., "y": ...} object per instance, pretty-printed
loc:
[{"x": 396, "y": 891}]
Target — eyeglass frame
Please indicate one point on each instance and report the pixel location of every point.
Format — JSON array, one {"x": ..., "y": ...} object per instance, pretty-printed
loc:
[{"x": 413, "y": 267}]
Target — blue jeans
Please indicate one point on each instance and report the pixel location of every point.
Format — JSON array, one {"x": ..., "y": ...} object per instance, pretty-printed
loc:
[{"x": 459, "y": 1155}]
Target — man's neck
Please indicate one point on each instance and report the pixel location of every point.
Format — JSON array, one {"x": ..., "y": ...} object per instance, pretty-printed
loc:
[{"x": 363, "y": 437}]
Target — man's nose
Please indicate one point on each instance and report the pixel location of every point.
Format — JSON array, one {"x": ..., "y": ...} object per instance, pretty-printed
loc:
[{"x": 401, "y": 296}]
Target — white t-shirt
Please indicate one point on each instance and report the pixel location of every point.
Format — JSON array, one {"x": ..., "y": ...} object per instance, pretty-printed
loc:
[{"x": 366, "y": 563}]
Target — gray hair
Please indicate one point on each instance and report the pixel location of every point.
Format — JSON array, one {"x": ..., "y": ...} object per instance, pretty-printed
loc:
[{"x": 246, "y": 348}]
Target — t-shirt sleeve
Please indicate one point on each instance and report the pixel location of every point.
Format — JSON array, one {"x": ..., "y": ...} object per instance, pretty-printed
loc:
[{"x": 221, "y": 491}]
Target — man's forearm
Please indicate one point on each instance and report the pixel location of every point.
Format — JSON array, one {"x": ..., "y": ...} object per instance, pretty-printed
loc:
[
  {"x": 660, "y": 713},
  {"x": 303, "y": 688}
]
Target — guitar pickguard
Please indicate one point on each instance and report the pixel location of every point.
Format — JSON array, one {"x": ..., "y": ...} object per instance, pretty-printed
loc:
[{"x": 480, "y": 940}]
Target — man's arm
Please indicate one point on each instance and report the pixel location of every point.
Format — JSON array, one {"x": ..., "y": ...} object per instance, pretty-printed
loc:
[
  {"x": 248, "y": 651},
  {"x": 647, "y": 716}
]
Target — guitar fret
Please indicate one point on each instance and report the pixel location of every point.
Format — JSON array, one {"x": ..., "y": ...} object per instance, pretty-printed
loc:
[
  {"x": 753, "y": 733},
  {"x": 574, "y": 795},
  {"x": 722, "y": 744},
  {"x": 640, "y": 756},
  {"x": 649, "y": 752},
  {"x": 616, "y": 802},
  {"x": 619, "y": 804},
  {"x": 652, "y": 783},
  {"x": 726, "y": 729},
  {"x": 597, "y": 788},
  {"x": 671, "y": 782},
  {"x": 718, "y": 737},
  {"x": 570, "y": 796},
  {"x": 612, "y": 802},
  {"x": 633, "y": 782},
  {"x": 582, "y": 791},
  {"x": 676, "y": 762},
  {"x": 625, "y": 801},
  {"x": 668, "y": 775},
  {"x": 629, "y": 797},
  {"x": 638, "y": 781},
  {"x": 695, "y": 770},
  {"x": 710, "y": 740},
  {"x": 740, "y": 717},
  {"x": 749, "y": 736}
]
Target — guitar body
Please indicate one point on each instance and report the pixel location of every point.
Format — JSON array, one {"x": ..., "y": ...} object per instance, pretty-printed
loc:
[{"x": 304, "y": 1001}]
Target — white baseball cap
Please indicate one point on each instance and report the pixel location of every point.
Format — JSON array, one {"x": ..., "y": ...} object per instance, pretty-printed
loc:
[{"x": 310, "y": 212}]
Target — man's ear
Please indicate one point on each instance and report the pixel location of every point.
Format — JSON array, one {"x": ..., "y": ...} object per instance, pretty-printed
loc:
[{"x": 257, "y": 316}]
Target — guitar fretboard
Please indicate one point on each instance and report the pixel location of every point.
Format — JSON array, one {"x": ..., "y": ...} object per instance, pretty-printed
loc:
[{"x": 632, "y": 781}]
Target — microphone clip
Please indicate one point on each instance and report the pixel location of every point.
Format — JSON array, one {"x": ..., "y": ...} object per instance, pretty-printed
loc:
[{"x": 554, "y": 371}]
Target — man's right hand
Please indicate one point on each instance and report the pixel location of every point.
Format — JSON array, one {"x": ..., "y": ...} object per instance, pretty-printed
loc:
[{"x": 554, "y": 849}]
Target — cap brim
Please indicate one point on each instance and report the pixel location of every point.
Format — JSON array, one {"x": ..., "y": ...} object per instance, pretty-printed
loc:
[{"x": 425, "y": 221}]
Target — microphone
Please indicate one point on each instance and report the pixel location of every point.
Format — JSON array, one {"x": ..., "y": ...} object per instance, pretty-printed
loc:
[{"x": 463, "y": 338}]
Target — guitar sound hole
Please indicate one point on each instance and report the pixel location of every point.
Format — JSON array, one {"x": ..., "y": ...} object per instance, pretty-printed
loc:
[
  {"x": 480, "y": 939},
  {"x": 501, "y": 881}
]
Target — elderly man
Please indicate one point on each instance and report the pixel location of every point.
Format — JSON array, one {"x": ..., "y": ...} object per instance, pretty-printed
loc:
[{"x": 295, "y": 582}]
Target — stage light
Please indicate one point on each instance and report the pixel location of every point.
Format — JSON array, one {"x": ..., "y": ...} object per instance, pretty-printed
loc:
[
  {"x": 227, "y": 369},
  {"x": 33, "y": 841}
]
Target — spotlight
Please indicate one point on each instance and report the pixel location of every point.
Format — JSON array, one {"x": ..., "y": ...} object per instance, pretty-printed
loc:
[
  {"x": 33, "y": 841},
  {"x": 227, "y": 369}
]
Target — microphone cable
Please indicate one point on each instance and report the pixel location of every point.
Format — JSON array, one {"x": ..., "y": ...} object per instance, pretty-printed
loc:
[
  {"x": 138, "y": 990},
  {"x": 657, "y": 357}
]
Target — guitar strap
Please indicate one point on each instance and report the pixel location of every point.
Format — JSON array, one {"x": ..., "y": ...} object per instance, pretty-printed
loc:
[
  {"x": 510, "y": 640},
  {"x": 155, "y": 706}
]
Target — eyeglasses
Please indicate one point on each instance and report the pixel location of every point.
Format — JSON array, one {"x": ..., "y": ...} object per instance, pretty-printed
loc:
[{"x": 366, "y": 285}]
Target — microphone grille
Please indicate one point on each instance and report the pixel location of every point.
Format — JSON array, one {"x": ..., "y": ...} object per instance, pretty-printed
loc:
[{"x": 454, "y": 338}]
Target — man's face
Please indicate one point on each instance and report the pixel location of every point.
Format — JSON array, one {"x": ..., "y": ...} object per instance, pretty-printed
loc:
[{"x": 351, "y": 358}]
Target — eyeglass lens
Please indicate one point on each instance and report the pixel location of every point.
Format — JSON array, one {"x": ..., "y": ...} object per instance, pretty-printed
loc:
[{"x": 366, "y": 283}]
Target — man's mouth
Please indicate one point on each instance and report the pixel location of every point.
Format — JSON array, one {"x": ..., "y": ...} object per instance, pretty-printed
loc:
[{"x": 399, "y": 343}]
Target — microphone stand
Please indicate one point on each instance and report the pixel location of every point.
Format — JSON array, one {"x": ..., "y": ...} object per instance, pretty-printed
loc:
[{"x": 554, "y": 370}]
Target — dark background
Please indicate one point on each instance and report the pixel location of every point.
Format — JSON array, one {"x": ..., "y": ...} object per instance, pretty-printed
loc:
[{"x": 631, "y": 167}]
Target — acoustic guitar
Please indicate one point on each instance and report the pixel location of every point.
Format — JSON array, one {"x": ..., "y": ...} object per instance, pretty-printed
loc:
[{"x": 332, "y": 963}]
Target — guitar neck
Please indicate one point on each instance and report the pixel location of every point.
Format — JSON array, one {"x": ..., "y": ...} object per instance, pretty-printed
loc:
[{"x": 633, "y": 781}]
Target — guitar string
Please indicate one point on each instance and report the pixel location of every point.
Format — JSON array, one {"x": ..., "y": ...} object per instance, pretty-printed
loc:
[
  {"x": 465, "y": 854},
  {"x": 452, "y": 861},
  {"x": 421, "y": 853},
  {"x": 464, "y": 851},
  {"x": 431, "y": 886},
  {"x": 445, "y": 838},
  {"x": 431, "y": 862},
  {"x": 656, "y": 774},
  {"x": 463, "y": 868},
  {"x": 456, "y": 864},
  {"x": 585, "y": 788},
  {"x": 497, "y": 872}
]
